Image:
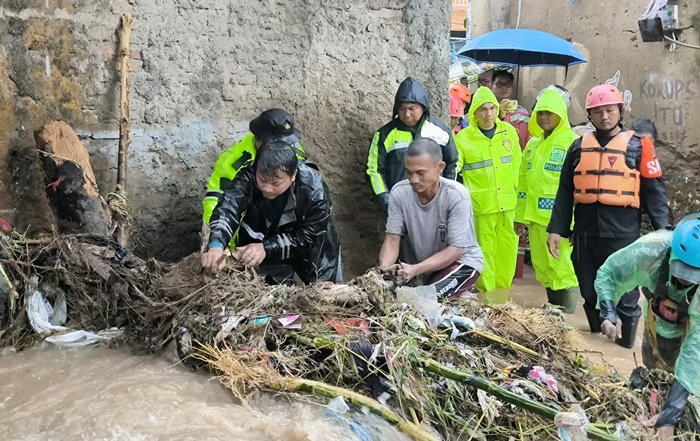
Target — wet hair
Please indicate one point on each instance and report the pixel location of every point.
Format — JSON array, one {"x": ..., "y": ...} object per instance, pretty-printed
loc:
[
  {"x": 646, "y": 127},
  {"x": 274, "y": 158},
  {"x": 502, "y": 73},
  {"x": 425, "y": 146}
]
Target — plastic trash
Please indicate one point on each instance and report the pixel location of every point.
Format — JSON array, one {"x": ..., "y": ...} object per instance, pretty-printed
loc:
[
  {"x": 43, "y": 317},
  {"x": 80, "y": 338},
  {"x": 227, "y": 327},
  {"x": 74, "y": 339},
  {"x": 338, "y": 404},
  {"x": 424, "y": 301},
  {"x": 538, "y": 374},
  {"x": 261, "y": 320},
  {"x": 457, "y": 323},
  {"x": 47, "y": 318},
  {"x": 356, "y": 428},
  {"x": 572, "y": 426}
]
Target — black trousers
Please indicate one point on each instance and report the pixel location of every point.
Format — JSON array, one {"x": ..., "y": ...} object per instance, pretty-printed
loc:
[{"x": 588, "y": 256}]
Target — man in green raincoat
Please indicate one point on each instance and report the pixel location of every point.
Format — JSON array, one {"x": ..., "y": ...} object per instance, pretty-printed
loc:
[
  {"x": 667, "y": 266},
  {"x": 489, "y": 160},
  {"x": 537, "y": 187}
]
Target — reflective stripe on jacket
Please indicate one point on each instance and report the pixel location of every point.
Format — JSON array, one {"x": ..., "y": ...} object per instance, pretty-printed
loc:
[
  {"x": 542, "y": 162},
  {"x": 489, "y": 167},
  {"x": 385, "y": 161}
]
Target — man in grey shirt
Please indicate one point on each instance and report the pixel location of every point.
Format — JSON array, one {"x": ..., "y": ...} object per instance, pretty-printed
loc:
[{"x": 431, "y": 226}]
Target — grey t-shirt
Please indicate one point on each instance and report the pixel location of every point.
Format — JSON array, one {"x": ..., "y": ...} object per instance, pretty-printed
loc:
[{"x": 425, "y": 230}]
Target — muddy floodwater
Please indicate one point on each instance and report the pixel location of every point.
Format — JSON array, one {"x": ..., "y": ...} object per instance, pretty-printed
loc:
[
  {"x": 103, "y": 394},
  {"x": 527, "y": 292}
]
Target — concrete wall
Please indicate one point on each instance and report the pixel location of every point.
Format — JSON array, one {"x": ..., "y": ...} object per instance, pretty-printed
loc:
[
  {"x": 201, "y": 70},
  {"x": 663, "y": 85}
]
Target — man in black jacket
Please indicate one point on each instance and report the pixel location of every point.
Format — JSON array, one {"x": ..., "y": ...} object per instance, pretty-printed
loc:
[
  {"x": 283, "y": 209},
  {"x": 410, "y": 120},
  {"x": 611, "y": 175}
]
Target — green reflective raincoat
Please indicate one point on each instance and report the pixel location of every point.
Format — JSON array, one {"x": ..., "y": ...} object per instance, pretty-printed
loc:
[
  {"x": 640, "y": 264},
  {"x": 489, "y": 167},
  {"x": 489, "y": 170},
  {"x": 542, "y": 162},
  {"x": 537, "y": 187}
]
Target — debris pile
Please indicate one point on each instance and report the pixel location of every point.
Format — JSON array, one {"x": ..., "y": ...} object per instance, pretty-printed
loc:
[{"x": 438, "y": 371}]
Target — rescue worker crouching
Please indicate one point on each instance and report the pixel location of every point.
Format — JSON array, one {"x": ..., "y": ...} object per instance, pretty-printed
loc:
[
  {"x": 489, "y": 161},
  {"x": 411, "y": 120},
  {"x": 287, "y": 228},
  {"x": 272, "y": 124},
  {"x": 430, "y": 226},
  {"x": 667, "y": 266},
  {"x": 537, "y": 187},
  {"x": 603, "y": 174}
]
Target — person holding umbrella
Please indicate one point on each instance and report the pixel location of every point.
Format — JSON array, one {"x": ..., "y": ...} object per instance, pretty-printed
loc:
[
  {"x": 603, "y": 188},
  {"x": 511, "y": 112}
]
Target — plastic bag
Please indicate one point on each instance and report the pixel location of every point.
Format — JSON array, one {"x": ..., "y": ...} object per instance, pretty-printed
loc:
[
  {"x": 572, "y": 426},
  {"x": 43, "y": 317},
  {"x": 424, "y": 301}
]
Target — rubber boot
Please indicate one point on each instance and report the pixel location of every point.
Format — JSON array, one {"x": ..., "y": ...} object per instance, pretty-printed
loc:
[
  {"x": 565, "y": 299},
  {"x": 593, "y": 317},
  {"x": 551, "y": 296},
  {"x": 568, "y": 298},
  {"x": 629, "y": 332}
]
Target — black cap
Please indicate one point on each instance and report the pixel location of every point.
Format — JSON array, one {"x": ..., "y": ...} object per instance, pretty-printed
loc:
[{"x": 272, "y": 124}]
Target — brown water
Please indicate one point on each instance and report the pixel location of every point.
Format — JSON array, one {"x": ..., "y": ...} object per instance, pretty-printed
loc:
[
  {"x": 527, "y": 292},
  {"x": 103, "y": 394}
]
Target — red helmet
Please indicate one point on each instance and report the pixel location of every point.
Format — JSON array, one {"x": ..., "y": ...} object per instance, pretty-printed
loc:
[
  {"x": 604, "y": 95},
  {"x": 456, "y": 107},
  {"x": 462, "y": 92}
]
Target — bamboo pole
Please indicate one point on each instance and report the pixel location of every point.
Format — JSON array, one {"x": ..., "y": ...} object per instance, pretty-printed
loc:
[
  {"x": 127, "y": 23},
  {"x": 496, "y": 339},
  {"x": 327, "y": 391},
  {"x": 236, "y": 370},
  {"x": 507, "y": 396},
  {"x": 118, "y": 201},
  {"x": 12, "y": 293}
]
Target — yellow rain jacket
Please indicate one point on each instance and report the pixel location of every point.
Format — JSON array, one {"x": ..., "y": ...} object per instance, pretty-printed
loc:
[
  {"x": 489, "y": 167},
  {"x": 537, "y": 187},
  {"x": 542, "y": 163},
  {"x": 489, "y": 170}
]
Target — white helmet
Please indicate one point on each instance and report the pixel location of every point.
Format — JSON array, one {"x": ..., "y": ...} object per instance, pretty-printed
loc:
[{"x": 562, "y": 91}]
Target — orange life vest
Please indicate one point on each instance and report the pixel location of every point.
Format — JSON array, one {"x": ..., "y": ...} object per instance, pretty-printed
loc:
[{"x": 602, "y": 174}]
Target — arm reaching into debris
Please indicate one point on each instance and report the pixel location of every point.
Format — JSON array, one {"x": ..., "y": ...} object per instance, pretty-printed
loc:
[
  {"x": 395, "y": 229},
  {"x": 226, "y": 218},
  {"x": 638, "y": 264},
  {"x": 389, "y": 253},
  {"x": 436, "y": 262}
]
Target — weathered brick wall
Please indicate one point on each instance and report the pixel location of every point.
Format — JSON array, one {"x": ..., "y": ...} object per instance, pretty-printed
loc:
[{"x": 200, "y": 71}]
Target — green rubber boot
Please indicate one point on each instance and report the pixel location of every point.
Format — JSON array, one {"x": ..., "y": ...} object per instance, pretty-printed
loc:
[{"x": 566, "y": 299}]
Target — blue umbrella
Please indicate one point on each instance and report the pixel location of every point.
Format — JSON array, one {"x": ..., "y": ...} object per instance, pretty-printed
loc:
[{"x": 522, "y": 47}]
